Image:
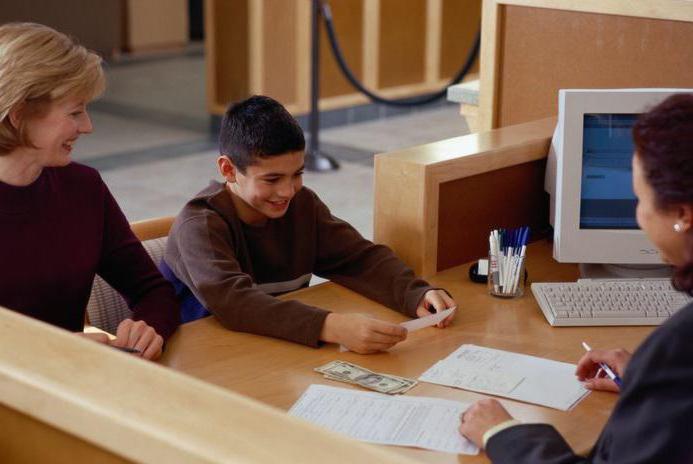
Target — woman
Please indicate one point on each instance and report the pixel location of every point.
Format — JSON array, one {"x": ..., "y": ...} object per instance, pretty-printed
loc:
[
  {"x": 59, "y": 224},
  {"x": 651, "y": 421}
]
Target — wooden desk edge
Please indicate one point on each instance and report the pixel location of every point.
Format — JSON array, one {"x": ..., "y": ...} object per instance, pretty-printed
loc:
[{"x": 147, "y": 413}]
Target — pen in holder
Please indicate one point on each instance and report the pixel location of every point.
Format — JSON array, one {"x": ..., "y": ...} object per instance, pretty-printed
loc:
[{"x": 507, "y": 250}]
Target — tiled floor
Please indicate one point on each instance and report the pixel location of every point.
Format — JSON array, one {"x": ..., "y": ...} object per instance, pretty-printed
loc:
[
  {"x": 114, "y": 135},
  {"x": 384, "y": 135},
  {"x": 169, "y": 85},
  {"x": 153, "y": 147}
]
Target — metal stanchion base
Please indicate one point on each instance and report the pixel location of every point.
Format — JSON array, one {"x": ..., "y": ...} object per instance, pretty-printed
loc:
[{"x": 319, "y": 162}]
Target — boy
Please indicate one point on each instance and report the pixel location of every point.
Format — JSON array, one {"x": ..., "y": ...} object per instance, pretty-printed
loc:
[{"x": 237, "y": 244}]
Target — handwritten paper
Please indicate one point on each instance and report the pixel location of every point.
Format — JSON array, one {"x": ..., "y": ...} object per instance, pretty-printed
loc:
[
  {"x": 491, "y": 382},
  {"x": 421, "y": 422},
  {"x": 511, "y": 375}
]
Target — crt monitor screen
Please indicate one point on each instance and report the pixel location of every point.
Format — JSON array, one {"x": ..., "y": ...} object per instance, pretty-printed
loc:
[
  {"x": 589, "y": 176},
  {"x": 607, "y": 200}
]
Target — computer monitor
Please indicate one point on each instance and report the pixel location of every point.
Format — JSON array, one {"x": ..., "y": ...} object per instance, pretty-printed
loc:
[{"x": 589, "y": 177}]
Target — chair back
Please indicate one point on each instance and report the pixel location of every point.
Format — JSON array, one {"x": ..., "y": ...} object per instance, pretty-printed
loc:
[{"x": 152, "y": 228}]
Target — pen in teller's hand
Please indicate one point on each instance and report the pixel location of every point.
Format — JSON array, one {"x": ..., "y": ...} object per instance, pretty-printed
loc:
[
  {"x": 612, "y": 375},
  {"x": 127, "y": 350}
]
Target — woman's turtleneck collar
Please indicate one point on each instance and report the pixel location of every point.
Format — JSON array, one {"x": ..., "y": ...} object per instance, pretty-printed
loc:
[{"x": 19, "y": 199}]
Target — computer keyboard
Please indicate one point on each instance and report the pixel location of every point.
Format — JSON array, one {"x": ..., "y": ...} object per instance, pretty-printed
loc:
[{"x": 591, "y": 302}]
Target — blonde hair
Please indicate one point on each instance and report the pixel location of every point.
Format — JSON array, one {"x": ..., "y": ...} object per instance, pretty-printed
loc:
[{"x": 39, "y": 65}]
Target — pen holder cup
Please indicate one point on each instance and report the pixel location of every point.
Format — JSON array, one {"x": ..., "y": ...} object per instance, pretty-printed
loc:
[{"x": 506, "y": 276}]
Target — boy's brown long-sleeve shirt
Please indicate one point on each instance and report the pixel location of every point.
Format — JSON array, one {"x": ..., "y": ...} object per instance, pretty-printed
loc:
[{"x": 233, "y": 269}]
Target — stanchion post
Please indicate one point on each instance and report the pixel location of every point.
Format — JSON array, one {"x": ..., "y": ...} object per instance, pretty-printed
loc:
[{"x": 316, "y": 161}]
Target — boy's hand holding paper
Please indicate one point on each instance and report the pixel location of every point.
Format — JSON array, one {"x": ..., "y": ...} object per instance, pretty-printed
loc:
[
  {"x": 418, "y": 324},
  {"x": 429, "y": 320},
  {"x": 360, "y": 333},
  {"x": 436, "y": 301}
]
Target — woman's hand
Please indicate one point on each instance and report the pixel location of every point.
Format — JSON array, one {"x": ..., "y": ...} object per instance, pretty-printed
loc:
[
  {"x": 140, "y": 336},
  {"x": 480, "y": 417},
  {"x": 588, "y": 369},
  {"x": 437, "y": 301},
  {"x": 361, "y": 334}
]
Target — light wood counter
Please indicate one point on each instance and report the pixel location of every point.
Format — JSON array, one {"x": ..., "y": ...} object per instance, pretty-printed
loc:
[{"x": 276, "y": 372}]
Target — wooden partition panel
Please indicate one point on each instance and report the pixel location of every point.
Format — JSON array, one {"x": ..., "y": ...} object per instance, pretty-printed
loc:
[
  {"x": 348, "y": 23},
  {"x": 155, "y": 24},
  {"x": 469, "y": 208},
  {"x": 426, "y": 196},
  {"x": 25, "y": 440},
  {"x": 402, "y": 44},
  {"x": 585, "y": 50},
  {"x": 99, "y": 26},
  {"x": 278, "y": 50},
  {"x": 227, "y": 59},
  {"x": 72, "y": 394},
  {"x": 458, "y": 30},
  {"x": 532, "y": 48}
]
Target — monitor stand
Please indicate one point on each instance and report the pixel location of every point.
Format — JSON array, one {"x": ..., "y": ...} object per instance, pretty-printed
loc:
[{"x": 624, "y": 271}]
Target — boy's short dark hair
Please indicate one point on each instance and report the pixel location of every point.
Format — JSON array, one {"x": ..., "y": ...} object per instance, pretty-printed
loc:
[{"x": 258, "y": 127}]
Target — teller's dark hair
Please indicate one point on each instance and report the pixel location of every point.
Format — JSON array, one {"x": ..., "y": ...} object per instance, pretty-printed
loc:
[{"x": 664, "y": 144}]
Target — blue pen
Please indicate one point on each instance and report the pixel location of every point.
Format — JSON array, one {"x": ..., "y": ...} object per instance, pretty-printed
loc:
[
  {"x": 612, "y": 375},
  {"x": 525, "y": 235}
]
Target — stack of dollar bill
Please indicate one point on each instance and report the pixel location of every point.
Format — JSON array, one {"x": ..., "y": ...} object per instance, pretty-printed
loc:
[{"x": 343, "y": 371}]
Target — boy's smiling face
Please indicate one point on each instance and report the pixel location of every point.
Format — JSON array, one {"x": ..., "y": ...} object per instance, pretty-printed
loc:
[{"x": 267, "y": 186}]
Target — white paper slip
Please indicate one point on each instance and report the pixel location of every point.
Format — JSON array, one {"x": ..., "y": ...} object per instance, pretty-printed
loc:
[
  {"x": 512, "y": 375},
  {"x": 427, "y": 321},
  {"x": 418, "y": 324},
  {"x": 421, "y": 422}
]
